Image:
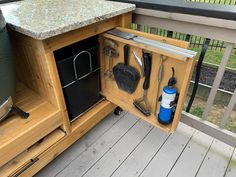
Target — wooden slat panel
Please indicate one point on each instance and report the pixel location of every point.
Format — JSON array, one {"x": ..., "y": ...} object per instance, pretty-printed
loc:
[
  {"x": 118, "y": 153},
  {"x": 228, "y": 110},
  {"x": 216, "y": 160},
  {"x": 163, "y": 161},
  {"x": 83, "y": 162},
  {"x": 218, "y": 78},
  {"x": 140, "y": 157},
  {"x": 80, "y": 146},
  {"x": 192, "y": 157}
]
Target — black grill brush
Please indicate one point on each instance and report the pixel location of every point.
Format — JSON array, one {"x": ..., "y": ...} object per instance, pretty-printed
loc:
[{"x": 142, "y": 103}]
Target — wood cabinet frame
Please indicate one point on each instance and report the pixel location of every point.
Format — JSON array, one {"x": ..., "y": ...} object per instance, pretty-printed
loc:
[{"x": 38, "y": 72}]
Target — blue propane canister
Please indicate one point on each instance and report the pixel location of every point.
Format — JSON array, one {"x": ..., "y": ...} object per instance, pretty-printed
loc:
[{"x": 166, "y": 108}]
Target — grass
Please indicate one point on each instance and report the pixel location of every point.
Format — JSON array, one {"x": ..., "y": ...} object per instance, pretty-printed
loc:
[
  {"x": 197, "y": 111},
  {"x": 216, "y": 113},
  {"x": 215, "y": 56}
]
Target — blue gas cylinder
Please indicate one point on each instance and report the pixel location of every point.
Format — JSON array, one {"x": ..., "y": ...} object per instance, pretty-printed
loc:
[{"x": 166, "y": 108}]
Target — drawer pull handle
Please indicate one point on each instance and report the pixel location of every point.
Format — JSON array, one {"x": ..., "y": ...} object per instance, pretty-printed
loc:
[{"x": 32, "y": 161}]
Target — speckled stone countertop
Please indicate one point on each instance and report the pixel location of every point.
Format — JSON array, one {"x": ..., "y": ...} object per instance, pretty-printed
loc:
[{"x": 42, "y": 19}]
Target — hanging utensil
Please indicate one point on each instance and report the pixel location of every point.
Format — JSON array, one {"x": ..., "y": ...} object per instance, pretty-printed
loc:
[
  {"x": 142, "y": 103},
  {"x": 126, "y": 77},
  {"x": 160, "y": 75},
  {"x": 139, "y": 62}
]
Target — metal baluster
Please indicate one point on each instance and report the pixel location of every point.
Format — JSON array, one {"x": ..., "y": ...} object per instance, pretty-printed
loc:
[
  {"x": 218, "y": 78},
  {"x": 188, "y": 38},
  {"x": 170, "y": 34}
]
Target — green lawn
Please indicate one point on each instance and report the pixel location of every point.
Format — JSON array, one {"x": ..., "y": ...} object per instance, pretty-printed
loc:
[
  {"x": 197, "y": 111},
  {"x": 215, "y": 56}
]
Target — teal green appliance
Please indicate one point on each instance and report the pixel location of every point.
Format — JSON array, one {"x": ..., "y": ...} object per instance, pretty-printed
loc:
[{"x": 7, "y": 75}]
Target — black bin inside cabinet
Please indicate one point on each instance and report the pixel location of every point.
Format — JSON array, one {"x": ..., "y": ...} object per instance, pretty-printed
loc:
[{"x": 79, "y": 71}]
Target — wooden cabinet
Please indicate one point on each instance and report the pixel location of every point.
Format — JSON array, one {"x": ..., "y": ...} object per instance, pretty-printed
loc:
[{"x": 27, "y": 145}]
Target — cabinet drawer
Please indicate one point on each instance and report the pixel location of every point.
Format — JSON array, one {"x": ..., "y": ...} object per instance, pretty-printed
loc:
[
  {"x": 182, "y": 65},
  {"x": 30, "y": 156}
]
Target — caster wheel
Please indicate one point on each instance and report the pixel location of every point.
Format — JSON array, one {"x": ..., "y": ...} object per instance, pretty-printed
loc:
[{"x": 118, "y": 111}]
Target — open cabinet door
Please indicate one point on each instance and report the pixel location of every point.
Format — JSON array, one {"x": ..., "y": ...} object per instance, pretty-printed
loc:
[{"x": 183, "y": 67}]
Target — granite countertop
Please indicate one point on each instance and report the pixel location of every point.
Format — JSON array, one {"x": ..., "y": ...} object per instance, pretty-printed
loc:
[
  {"x": 226, "y": 12},
  {"x": 42, "y": 19}
]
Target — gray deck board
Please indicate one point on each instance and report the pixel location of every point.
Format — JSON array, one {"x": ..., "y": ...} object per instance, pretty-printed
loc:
[
  {"x": 89, "y": 157},
  {"x": 127, "y": 147},
  {"x": 231, "y": 171},
  {"x": 216, "y": 161},
  {"x": 119, "y": 152},
  {"x": 140, "y": 157},
  {"x": 165, "y": 159},
  {"x": 192, "y": 156},
  {"x": 80, "y": 146}
]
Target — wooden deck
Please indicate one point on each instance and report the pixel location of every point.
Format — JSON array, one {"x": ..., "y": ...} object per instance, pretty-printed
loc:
[{"x": 125, "y": 146}]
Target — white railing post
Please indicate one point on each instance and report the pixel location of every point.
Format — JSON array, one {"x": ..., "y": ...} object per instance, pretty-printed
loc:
[
  {"x": 218, "y": 78},
  {"x": 228, "y": 111}
]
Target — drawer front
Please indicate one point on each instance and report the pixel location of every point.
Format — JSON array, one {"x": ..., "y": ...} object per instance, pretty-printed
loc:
[
  {"x": 164, "y": 57},
  {"x": 26, "y": 159},
  {"x": 30, "y": 135}
]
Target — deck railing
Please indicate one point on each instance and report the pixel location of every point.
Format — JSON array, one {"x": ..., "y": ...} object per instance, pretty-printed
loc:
[
  {"x": 224, "y": 2},
  {"x": 210, "y": 28}
]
